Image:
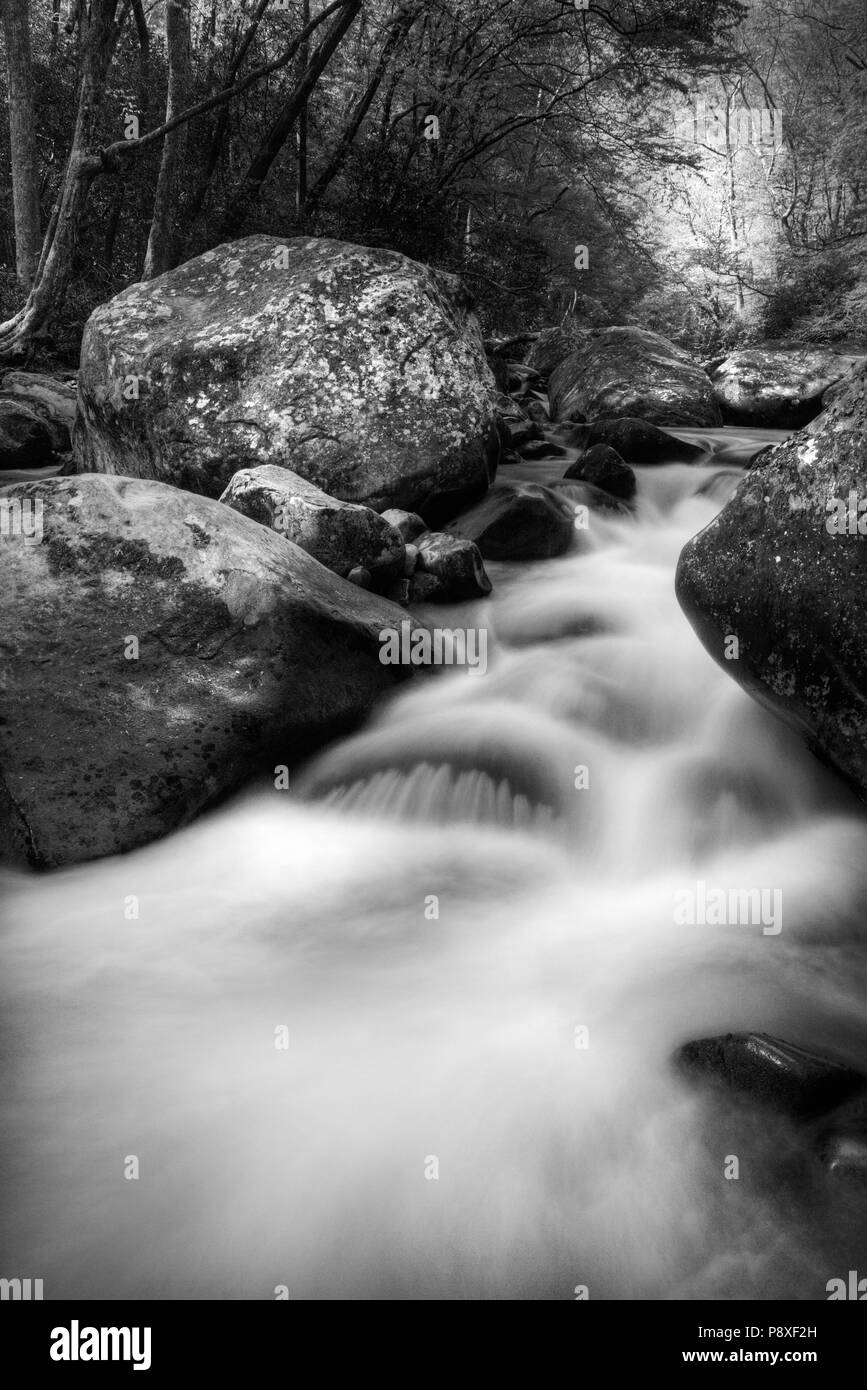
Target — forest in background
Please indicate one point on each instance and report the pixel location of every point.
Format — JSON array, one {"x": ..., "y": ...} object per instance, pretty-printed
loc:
[{"x": 698, "y": 167}]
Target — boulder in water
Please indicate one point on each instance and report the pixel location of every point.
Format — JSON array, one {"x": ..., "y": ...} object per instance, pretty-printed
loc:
[
  {"x": 771, "y": 1072},
  {"x": 359, "y": 369},
  {"x": 777, "y": 387},
  {"x": 783, "y": 568},
  {"x": 640, "y": 443},
  {"x": 522, "y": 432},
  {"x": 448, "y": 570},
  {"x": 518, "y": 521},
  {"x": 542, "y": 449},
  {"x": 579, "y": 493},
  {"x": 630, "y": 371},
  {"x": 159, "y": 647},
  {"x": 604, "y": 468},
  {"x": 340, "y": 535}
]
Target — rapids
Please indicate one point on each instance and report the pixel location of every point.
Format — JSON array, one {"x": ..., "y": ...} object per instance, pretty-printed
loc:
[{"x": 480, "y": 975}]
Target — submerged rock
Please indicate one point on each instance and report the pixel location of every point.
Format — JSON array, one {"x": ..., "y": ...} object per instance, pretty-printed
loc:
[
  {"x": 783, "y": 567},
  {"x": 771, "y": 1072},
  {"x": 842, "y": 1143},
  {"x": 340, "y": 535},
  {"x": 630, "y": 371},
  {"x": 358, "y": 368},
  {"x": 542, "y": 449},
  {"x": 579, "y": 493},
  {"x": 518, "y": 521},
  {"x": 160, "y": 646},
  {"x": 604, "y": 468}
]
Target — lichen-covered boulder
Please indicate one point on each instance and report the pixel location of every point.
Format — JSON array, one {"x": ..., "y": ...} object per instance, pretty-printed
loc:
[
  {"x": 158, "y": 648},
  {"x": 52, "y": 399},
  {"x": 631, "y": 371},
  {"x": 777, "y": 387},
  {"x": 783, "y": 569},
  {"x": 355, "y": 367},
  {"x": 340, "y": 535},
  {"x": 550, "y": 348}
]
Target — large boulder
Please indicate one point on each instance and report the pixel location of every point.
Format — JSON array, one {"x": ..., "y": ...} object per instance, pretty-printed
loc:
[
  {"x": 357, "y": 368},
  {"x": 340, "y": 535},
  {"x": 783, "y": 568},
  {"x": 551, "y": 347},
  {"x": 630, "y": 371},
  {"x": 518, "y": 521},
  {"x": 777, "y": 387},
  {"x": 770, "y": 1072},
  {"x": 53, "y": 400},
  {"x": 158, "y": 646}
]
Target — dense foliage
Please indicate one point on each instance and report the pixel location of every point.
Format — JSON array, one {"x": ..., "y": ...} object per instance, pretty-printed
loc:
[{"x": 490, "y": 137}]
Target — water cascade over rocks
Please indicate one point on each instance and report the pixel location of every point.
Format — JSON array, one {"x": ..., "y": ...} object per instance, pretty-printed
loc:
[{"x": 405, "y": 1029}]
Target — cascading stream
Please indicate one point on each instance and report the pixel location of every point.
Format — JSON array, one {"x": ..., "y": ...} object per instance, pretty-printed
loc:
[{"x": 434, "y": 913}]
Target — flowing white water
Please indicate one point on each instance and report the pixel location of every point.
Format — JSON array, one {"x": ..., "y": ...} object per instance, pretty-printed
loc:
[{"x": 419, "y": 1042}]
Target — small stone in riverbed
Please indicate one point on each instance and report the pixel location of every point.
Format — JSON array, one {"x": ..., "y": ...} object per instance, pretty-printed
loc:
[
  {"x": 521, "y": 432},
  {"x": 408, "y": 524},
  {"x": 771, "y": 1072},
  {"x": 573, "y": 436},
  {"x": 537, "y": 412},
  {"x": 360, "y": 576},
  {"x": 542, "y": 449},
  {"x": 455, "y": 564}
]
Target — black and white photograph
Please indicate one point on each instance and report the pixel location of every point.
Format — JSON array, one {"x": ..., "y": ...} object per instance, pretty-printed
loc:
[{"x": 433, "y": 662}]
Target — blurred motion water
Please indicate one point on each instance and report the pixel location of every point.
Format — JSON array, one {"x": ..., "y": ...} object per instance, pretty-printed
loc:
[{"x": 434, "y": 912}]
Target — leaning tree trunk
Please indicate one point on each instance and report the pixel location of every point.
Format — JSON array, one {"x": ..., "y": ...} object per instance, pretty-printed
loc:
[
  {"x": 22, "y": 140},
  {"x": 98, "y": 38},
  {"x": 162, "y": 248},
  {"x": 278, "y": 134}
]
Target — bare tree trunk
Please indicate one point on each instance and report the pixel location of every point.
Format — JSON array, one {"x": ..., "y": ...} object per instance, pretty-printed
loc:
[
  {"x": 397, "y": 34},
  {"x": 301, "y": 181},
  {"x": 22, "y": 140},
  {"x": 119, "y": 194},
  {"x": 98, "y": 39},
  {"x": 161, "y": 254},
  {"x": 55, "y": 27}
]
